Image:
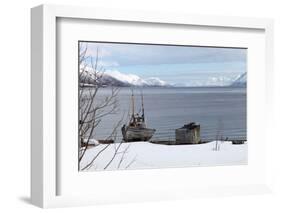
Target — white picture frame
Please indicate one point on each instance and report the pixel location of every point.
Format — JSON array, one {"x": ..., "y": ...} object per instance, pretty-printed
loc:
[{"x": 44, "y": 154}]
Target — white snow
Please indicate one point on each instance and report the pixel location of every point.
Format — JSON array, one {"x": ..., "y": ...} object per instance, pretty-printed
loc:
[
  {"x": 126, "y": 78},
  {"x": 219, "y": 81},
  {"x": 240, "y": 80},
  {"x": 141, "y": 155},
  {"x": 136, "y": 80},
  {"x": 154, "y": 81},
  {"x": 91, "y": 141}
]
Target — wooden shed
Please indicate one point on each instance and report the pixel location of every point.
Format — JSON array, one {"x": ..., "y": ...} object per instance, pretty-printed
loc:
[{"x": 188, "y": 134}]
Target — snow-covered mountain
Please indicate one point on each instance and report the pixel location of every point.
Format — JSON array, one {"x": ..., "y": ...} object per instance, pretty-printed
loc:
[
  {"x": 240, "y": 81},
  {"x": 156, "y": 82},
  {"x": 129, "y": 79},
  {"x": 116, "y": 78}
]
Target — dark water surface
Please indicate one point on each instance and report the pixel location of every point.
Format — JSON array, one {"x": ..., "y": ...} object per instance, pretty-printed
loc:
[{"x": 216, "y": 109}]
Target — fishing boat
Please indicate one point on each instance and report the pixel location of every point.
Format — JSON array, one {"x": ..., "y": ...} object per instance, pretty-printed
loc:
[{"x": 136, "y": 130}]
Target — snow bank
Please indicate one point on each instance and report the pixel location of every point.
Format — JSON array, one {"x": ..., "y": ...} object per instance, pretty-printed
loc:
[
  {"x": 91, "y": 141},
  {"x": 142, "y": 155}
]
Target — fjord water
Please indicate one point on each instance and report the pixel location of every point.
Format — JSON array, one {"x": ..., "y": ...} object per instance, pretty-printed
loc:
[{"x": 220, "y": 111}]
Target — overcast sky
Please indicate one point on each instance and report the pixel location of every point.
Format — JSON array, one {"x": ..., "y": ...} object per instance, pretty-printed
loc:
[{"x": 180, "y": 65}]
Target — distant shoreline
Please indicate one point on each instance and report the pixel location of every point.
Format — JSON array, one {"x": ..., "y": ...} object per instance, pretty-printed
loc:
[{"x": 176, "y": 87}]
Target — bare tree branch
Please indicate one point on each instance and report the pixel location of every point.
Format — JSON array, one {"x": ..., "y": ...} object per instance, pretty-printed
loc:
[
  {"x": 123, "y": 156},
  {"x": 114, "y": 155},
  {"x": 92, "y": 109},
  {"x": 132, "y": 161}
]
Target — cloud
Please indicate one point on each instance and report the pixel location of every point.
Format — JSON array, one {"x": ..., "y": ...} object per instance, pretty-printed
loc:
[
  {"x": 108, "y": 63},
  {"x": 179, "y": 65},
  {"x": 138, "y": 54},
  {"x": 92, "y": 49}
]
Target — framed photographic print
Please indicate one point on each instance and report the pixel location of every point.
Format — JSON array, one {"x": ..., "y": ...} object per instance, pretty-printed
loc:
[
  {"x": 158, "y": 106},
  {"x": 149, "y": 106}
]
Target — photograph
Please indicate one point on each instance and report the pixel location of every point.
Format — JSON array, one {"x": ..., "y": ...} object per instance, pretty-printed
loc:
[{"x": 156, "y": 106}]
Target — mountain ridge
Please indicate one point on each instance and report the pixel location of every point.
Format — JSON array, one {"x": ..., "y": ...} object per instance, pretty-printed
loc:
[
  {"x": 115, "y": 78},
  {"x": 118, "y": 79},
  {"x": 240, "y": 81}
]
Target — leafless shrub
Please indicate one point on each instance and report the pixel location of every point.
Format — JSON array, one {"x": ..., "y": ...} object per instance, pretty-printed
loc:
[
  {"x": 92, "y": 111},
  {"x": 219, "y": 135}
]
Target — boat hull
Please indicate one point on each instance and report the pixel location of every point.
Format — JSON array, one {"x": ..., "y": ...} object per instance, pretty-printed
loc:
[{"x": 131, "y": 134}]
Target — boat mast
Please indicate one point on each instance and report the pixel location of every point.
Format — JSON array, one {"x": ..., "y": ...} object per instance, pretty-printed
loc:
[
  {"x": 133, "y": 105},
  {"x": 142, "y": 106}
]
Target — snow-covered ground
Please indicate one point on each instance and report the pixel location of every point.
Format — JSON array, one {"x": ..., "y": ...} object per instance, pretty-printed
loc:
[{"x": 142, "y": 155}]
